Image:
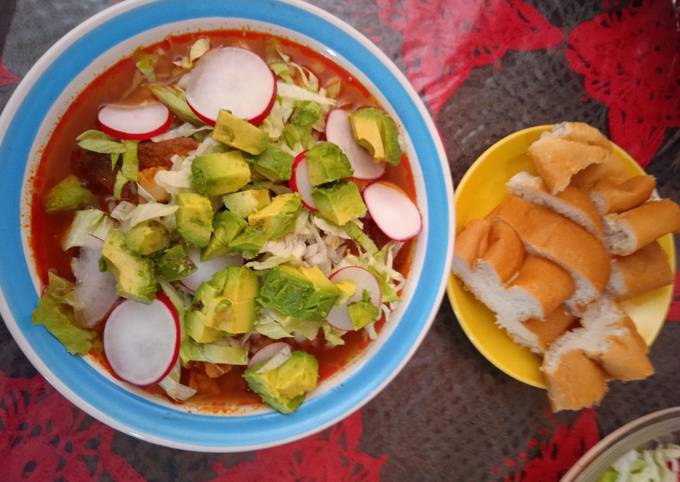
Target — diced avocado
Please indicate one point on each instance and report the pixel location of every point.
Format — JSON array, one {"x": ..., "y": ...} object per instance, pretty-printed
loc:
[
  {"x": 174, "y": 263},
  {"x": 244, "y": 203},
  {"x": 299, "y": 127},
  {"x": 239, "y": 134},
  {"x": 194, "y": 218},
  {"x": 135, "y": 276},
  {"x": 219, "y": 173},
  {"x": 611, "y": 475},
  {"x": 68, "y": 195},
  {"x": 327, "y": 163},
  {"x": 239, "y": 285},
  {"x": 340, "y": 202},
  {"x": 363, "y": 312},
  {"x": 300, "y": 293},
  {"x": 374, "y": 130},
  {"x": 248, "y": 243},
  {"x": 275, "y": 164},
  {"x": 347, "y": 289},
  {"x": 55, "y": 311},
  {"x": 198, "y": 330},
  {"x": 228, "y": 300},
  {"x": 226, "y": 226},
  {"x": 147, "y": 238},
  {"x": 277, "y": 218},
  {"x": 284, "y": 388}
]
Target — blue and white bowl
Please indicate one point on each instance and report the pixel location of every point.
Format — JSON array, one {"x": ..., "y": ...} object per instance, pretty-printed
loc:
[{"x": 33, "y": 112}]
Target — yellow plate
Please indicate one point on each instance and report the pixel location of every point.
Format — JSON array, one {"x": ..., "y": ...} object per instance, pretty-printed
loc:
[{"x": 480, "y": 191}]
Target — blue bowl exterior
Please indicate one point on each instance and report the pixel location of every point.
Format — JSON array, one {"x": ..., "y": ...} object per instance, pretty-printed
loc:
[{"x": 130, "y": 412}]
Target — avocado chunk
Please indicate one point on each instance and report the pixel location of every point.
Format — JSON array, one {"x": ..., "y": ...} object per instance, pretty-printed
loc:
[
  {"x": 194, "y": 218},
  {"x": 68, "y": 195},
  {"x": 275, "y": 164},
  {"x": 376, "y": 132},
  {"x": 228, "y": 300},
  {"x": 248, "y": 243},
  {"x": 174, "y": 263},
  {"x": 298, "y": 292},
  {"x": 219, "y": 173},
  {"x": 197, "y": 329},
  {"x": 239, "y": 134},
  {"x": 299, "y": 127},
  {"x": 135, "y": 276},
  {"x": 277, "y": 218},
  {"x": 347, "y": 289},
  {"x": 327, "y": 163},
  {"x": 245, "y": 203},
  {"x": 226, "y": 226},
  {"x": 284, "y": 388},
  {"x": 147, "y": 238},
  {"x": 363, "y": 312},
  {"x": 340, "y": 202}
]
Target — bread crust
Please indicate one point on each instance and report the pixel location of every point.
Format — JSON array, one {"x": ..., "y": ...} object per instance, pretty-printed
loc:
[
  {"x": 552, "y": 327},
  {"x": 626, "y": 356},
  {"x": 549, "y": 284},
  {"x": 472, "y": 241},
  {"x": 615, "y": 197},
  {"x": 645, "y": 270},
  {"x": 578, "y": 382},
  {"x": 646, "y": 223},
  {"x": 504, "y": 250}
]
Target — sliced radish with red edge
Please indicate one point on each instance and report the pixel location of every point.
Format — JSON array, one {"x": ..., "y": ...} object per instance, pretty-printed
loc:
[
  {"x": 268, "y": 352},
  {"x": 339, "y": 131},
  {"x": 299, "y": 181},
  {"x": 141, "y": 341},
  {"x": 392, "y": 210},
  {"x": 206, "y": 269},
  {"x": 134, "y": 122},
  {"x": 233, "y": 79},
  {"x": 365, "y": 281},
  {"x": 94, "y": 288}
]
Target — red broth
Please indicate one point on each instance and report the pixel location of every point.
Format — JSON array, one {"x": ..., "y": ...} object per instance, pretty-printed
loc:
[{"x": 121, "y": 83}]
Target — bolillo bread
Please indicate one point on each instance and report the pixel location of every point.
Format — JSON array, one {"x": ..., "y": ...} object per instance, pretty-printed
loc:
[
  {"x": 611, "y": 196},
  {"x": 556, "y": 160},
  {"x": 572, "y": 203},
  {"x": 562, "y": 241},
  {"x": 611, "y": 167},
  {"x": 580, "y": 132},
  {"x": 645, "y": 270},
  {"x": 552, "y": 327},
  {"x": 631, "y": 230}
]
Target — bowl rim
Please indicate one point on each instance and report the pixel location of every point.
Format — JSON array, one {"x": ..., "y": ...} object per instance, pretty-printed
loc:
[{"x": 439, "y": 241}]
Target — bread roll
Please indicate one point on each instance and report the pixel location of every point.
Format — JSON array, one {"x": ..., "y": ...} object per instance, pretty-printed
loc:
[
  {"x": 614, "y": 197},
  {"x": 612, "y": 167},
  {"x": 572, "y": 203},
  {"x": 581, "y": 132},
  {"x": 504, "y": 250},
  {"x": 562, "y": 241},
  {"x": 552, "y": 327},
  {"x": 471, "y": 242},
  {"x": 575, "y": 382},
  {"x": 546, "y": 282},
  {"x": 645, "y": 270},
  {"x": 556, "y": 160},
  {"x": 627, "y": 232}
]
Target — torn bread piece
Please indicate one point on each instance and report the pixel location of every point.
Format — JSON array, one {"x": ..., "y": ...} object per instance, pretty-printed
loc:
[
  {"x": 612, "y": 167},
  {"x": 621, "y": 350},
  {"x": 556, "y": 160},
  {"x": 547, "y": 234},
  {"x": 572, "y": 203},
  {"x": 631, "y": 230},
  {"x": 645, "y": 270},
  {"x": 611, "y": 196},
  {"x": 472, "y": 241},
  {"x": 531, "y": 293},
  {"x": 580, "y": 132},
  {"x": 552, "y": 327}
]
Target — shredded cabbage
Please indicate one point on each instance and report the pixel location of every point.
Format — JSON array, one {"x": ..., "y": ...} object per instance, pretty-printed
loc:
[
  {"x": 178, "y": 178},
  {"x": 659, "y": 464},
  {"x": 268, "y": 324},
  {"x": 173, "y": 388},
  {"x": 130, "y": 215},
  {"x": 333, "y": 335},
  {"x": 291, "y": 91},
  {"x": 86, "y": 223},
  {"x": 185, "y": 130},
  {"x": 226, "y": 350},
  {"x": 277, "y": 360},
  {"x": 198, "y": 49}
]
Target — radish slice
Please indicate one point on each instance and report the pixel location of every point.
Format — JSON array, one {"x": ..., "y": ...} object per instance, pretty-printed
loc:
[
  {"x": 134, "y": 122},
  {"x": 233, "y": 79},
  {"x": 141, "y": 341},
  {"x": 364, "y": 279},
  {"x": 206, "y": 269},
  {"x": 392, "y": 210},
  {"x": 339, "y": 131},
  {"x": 299, "y": 181},
  {"x": 96, "y": 289},
  {"x": 269, "y": 352}
]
